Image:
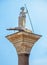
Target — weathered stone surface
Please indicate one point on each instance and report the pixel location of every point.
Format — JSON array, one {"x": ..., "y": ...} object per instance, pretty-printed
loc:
[
  {"x": 23, "y": 41},
  {"x": 23, "y": 59}
]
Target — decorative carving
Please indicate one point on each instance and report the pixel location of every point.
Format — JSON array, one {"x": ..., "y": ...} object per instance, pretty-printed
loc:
[{"x": 23, "y": 41}]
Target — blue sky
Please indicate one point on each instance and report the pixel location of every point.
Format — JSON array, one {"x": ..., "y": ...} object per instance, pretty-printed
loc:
[{"x": 9, "y": 12}]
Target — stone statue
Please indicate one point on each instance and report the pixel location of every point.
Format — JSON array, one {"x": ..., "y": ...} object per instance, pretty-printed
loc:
[
  {"x": 21, "y": 22},
  {"x": 22, "y": 18}
]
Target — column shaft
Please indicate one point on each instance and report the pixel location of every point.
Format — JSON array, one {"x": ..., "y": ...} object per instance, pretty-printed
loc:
[{"x": 23, "y": 59}]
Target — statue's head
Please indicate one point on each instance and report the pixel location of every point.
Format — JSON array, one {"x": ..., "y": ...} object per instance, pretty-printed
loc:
[{"x": 22, "y": 8}]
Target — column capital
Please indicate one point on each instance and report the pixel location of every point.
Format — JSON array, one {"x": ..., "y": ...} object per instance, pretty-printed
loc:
[{"x": 23, "y": 41}]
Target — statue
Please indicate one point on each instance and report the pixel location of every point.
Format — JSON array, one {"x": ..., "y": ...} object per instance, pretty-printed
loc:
[
  {"x": 22, "y": 18},
  {"x": 21, "y": 22}
]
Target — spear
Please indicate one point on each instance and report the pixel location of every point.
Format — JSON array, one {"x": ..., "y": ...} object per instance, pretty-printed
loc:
[{"x": 29, "y": 18}]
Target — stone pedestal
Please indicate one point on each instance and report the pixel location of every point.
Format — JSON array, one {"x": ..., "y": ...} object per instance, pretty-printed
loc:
[{"x": 23, "y": 41}]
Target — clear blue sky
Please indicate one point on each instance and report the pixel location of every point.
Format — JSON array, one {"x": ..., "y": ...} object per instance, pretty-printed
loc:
[{"x": 9, "y": 12}]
